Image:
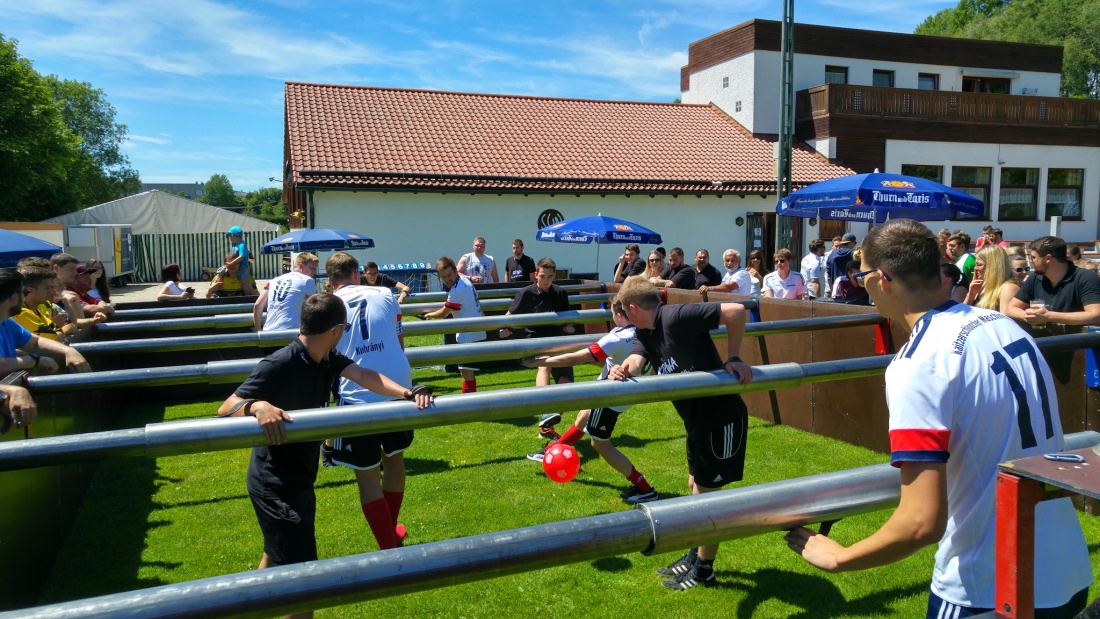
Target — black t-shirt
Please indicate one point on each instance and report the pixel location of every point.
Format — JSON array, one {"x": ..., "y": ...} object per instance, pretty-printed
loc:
[
  {"x": 709, "y": 276},
  {"x": 680, "y": 342},
  {"x": 531, "y": 300},
  {"x": 289, "y": 378},
  {"x": 519, "y": 270},
  {"x": 682, "y": 277},
  {"x": 383, "y": 280},
  {"x": 1077, "y": 288},
  {"x": 636, "y": 268}
]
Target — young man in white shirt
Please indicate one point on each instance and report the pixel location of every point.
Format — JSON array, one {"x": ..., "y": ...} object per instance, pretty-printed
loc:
[
  {"x": 784, "y": 282},
  {"x": 813, "y": 268}
]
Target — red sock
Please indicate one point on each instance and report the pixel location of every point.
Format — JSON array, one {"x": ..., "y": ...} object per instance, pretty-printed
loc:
[
  {"x": 381, "y": 524},
  {"x": 469, "y": 386},
  {"x": 638, "y": 480},
  {"x": 571, "y": 436},
  {"x": 393, "y": 499}
]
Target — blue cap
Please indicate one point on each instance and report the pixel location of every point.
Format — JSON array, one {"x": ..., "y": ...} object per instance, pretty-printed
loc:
[
  {"x": 360, "y": 268},
  {"x": 235, "y": 230}
]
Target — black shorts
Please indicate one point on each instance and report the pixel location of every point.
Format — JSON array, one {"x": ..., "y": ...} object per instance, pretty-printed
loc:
[
  {"x": 559, "y": 373},
  {"x": 716, "y": 451},
  {"x": 601, "y": 423},
  {"x": 287, "y": 522},
  {"x": 365, "y": 452}
]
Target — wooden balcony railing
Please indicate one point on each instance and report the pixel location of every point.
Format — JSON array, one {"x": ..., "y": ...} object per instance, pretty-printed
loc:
[{"x": 938, "y": 105}]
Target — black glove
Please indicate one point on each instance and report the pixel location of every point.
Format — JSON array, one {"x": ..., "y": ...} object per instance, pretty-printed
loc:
[{"x": 417, "y": 390}]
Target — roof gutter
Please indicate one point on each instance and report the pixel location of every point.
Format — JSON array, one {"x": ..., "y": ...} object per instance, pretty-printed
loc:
[{"x": 527, "y": 179}]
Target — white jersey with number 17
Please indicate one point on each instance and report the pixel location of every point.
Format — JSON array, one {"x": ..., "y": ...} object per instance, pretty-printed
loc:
[
  {"x": 971, "y": 389},
  {"x": 372, "y": 340}
]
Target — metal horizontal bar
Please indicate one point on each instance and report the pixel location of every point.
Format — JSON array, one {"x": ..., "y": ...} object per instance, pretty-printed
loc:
[
  {"x": 496, "y": 305},
  {"x": 182, "y": 310},
  {"x": 497, "y": 293},
  {"x": 651, "y": 528}
]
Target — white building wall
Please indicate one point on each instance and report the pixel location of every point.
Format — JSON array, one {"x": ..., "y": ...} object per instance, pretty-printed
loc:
[
  {"x": 763, "y": 90},
  {"x": 998, "y": 156},
  {"x": 707, "y": 87},
  {"x": 421, "y": 227}
]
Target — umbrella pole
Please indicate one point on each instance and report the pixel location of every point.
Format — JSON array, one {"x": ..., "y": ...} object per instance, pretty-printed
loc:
[{"x": 597, "y": 259}]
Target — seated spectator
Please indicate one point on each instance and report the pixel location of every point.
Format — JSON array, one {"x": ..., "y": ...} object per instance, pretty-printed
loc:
[
  {"x": 630, "y": 263},
  {"x": 19, "y": 348},
  {"x": 369, "y": 276},
  {"x": 37, "y": 316},
  {"x": 1071, "y": 295},
  {"x": 1073, "y": 253},
  {"x": 81, "y": 286},
  {"x": 17, "y": 409},
  {"x": 847, "y": 290},
  {"x": 100, "y": 290},
  {"x": 958, "y": 245},
  {"x": 655, "y": 263},
  {"x": 1020, "y": 266},
  {"x": 955, "y": 283},
  {"x": 64, "y": 266},
  {"x": 994, "y": 286},
  {"x": 784, "y": 282},
  {"x": 735, "y": 279},
  {"x": 227, "y": 283},
  {"x": 837, "y": 264},
  {"x": 705, "y": 273},
  {"x": 171, "y": 275},
  {"x": 676, "y": 274}
]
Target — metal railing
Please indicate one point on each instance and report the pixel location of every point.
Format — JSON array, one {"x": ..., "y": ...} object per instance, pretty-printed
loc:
[
  {"x": 651, "y": 528},
  {"x": 498, "y": 293}
]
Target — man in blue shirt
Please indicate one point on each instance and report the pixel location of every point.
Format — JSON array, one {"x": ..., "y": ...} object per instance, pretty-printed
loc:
[
  {"x": 19, "y": 348},
  {"x": 236, "y": 240}
]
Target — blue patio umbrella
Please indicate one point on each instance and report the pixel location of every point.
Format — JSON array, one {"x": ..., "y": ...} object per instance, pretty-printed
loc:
[
  {"x": 877, "y": 197},
  {"x": 600, "y": 230},
  {"x": 316, "y": 239},
  {"x": 15, "y": 246}
]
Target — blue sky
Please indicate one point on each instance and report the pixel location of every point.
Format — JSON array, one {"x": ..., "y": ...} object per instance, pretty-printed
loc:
[{"x": 199, "y": 83}]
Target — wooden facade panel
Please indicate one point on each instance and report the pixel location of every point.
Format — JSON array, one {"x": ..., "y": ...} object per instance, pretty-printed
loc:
[
  {"x": 861, "y": 154},
  {"x": 765, "y": 35},
  {"x": 792, "y": 407}
]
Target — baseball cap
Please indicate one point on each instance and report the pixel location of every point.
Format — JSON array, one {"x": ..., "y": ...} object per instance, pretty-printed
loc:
[
  {"x": 849, "y": 237},
  {"x": 235, "y": 230},
  {"x": 81, "y": 269}
]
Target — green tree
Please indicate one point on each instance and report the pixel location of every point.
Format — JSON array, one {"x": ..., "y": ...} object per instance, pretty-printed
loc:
[
  {"x": 1072, "y": 24},
  {"x": 101, "y": 173},
  {"x": 36, "y": 148},
  {"x": 219, "y": 192}
]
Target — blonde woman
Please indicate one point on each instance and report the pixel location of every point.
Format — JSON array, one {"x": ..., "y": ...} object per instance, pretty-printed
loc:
[
  {"x": 757, "y": 270},
  {"x": 654, "y": 264},
  {"x": 994, "y": 286}
]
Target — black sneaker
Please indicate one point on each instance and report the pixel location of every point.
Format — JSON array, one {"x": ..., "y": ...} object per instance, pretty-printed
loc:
[
  {"x": 635, "y": 496},
  {"x": 679, "y": 566},
  {"x": 548, "y": 435},
  {"x": 537, "y": 456},
  {"x": 694, "y": 577},
  {"x": 549, "y": 420},
  {"x": 326, "y": 456}
]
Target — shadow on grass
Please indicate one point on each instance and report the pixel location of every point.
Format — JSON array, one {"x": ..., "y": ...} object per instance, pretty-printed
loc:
[
  {"x": 421, "y": 466},
  {"x": 613, "y": 565},
  {"x": 816, "y": 595}
]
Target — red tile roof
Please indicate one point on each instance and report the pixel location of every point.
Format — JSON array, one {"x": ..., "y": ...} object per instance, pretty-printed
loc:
[{"x": 386, "y": 138}]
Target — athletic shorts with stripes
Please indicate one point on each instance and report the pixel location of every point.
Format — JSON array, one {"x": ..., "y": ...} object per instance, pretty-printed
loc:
[
  {"x": 365, "y": 452},
  {"x": 939, "y": 608},
  {"x": 601, "y": 423},
  {"x": 716, "y": 438}
]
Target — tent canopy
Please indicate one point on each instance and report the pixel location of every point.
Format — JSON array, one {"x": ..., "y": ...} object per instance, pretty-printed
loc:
[{"x": 156, "y": 212}]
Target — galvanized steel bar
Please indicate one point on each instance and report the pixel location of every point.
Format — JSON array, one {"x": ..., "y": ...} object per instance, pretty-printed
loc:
[
  {"x": 497, "y": 293},
  {"x": 281, "y": 338},
  {"x": 496, "y": 305},
  {"x": 652, "y": 528},
  {"x": 171, "y": 311}
]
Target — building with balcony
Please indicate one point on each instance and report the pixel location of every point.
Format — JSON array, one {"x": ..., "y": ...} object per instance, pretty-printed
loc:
[{"x": 982, "y": 116}]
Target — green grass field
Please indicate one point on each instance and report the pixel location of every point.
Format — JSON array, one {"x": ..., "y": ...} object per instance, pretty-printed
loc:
[{"x": 152, "y": 522}]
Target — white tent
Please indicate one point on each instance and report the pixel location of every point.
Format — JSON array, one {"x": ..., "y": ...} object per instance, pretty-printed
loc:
[
  {"x": 169, "y": 228},
  {"x": 156, "y": 212}
]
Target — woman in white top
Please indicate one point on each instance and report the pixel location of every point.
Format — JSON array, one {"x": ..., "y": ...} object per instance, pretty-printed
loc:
[
  {"x": 757, "y": 270},
  {"x": 172, "y": 291}
]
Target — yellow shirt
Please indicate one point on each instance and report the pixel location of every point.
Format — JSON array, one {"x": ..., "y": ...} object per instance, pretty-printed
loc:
[{"x": 39, "y": 321}]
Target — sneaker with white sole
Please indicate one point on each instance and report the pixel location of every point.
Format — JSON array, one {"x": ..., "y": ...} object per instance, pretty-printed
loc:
[
  {"x": 537, "y": 456},
  {"x": 636, "y": 495},
  {"x": 548, "y": 435},
  {"x": 549, "y": 420},
  {"x": 696, "y": 576},
  {"x": 679, "y": 566}
]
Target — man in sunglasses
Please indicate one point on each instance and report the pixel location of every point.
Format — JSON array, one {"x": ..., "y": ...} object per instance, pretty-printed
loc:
[
  {"x": 967, "y": 391},
  {"x": 298, "y": 376}
]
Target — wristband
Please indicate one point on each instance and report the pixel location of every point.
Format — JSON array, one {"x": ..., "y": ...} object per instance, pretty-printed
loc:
[
  {"x": 734, "y": 358},
  {"x": 237, "y": 407},
  {"x": 37, "y": 359},
  {"x": 417, "y": 390}
]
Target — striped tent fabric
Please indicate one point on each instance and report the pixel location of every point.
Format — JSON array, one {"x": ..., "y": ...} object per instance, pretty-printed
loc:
[{"x": 195, "y": 251}]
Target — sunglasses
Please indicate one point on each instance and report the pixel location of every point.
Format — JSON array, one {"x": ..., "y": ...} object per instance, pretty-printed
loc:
[
  {"x": 1021, "y": 269},
  {"x": 859, "y": 278},
  {"x": 781, "y": 261},
  {"x": 654, "y": 259}
]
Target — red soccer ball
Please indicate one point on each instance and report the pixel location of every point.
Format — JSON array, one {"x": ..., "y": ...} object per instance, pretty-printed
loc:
[{"x": 561, "y": 463}]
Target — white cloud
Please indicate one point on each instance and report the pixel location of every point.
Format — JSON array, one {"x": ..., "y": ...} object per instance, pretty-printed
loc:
[{"x": 146, "y": 138}]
